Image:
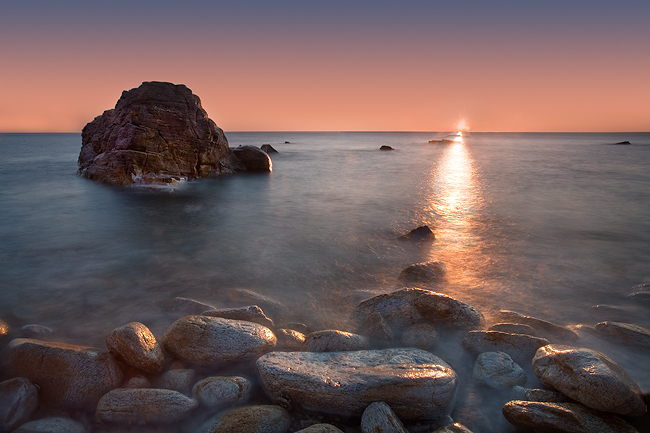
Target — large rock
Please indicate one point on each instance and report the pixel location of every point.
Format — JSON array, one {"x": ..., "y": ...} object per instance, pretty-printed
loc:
[
  {"x": 590, "y": 378},
  {"x": 157, "y": 133},
  {"x": 332, "y": 340},
  {"x": 562, "y": 417},
  {"x": 215, "y": 341},
  {"x": 253, "y": 159},
  {"x": 68, "y": 377},
  {"x": 147, "y": 405},
  {"x": 135, "y": 345},
  {"x": 51, "y": 425},
  {"x": 626, "y": 333},
  {"x": 249, "y": 419},
  {"x": 18, "y": 400},
  {"x": 405, "y": 307},
  {"x": 415, "y": 383},
  {"x": 542, "y": 328},
  {"x": 520, "y": 347},
  {"x": 380, "y": 418}
]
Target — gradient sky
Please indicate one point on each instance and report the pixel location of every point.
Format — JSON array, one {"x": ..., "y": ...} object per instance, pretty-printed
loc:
[{"x": 334, "y": 65}]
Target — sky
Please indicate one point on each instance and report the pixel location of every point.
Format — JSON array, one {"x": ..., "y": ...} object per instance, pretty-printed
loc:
[{"x": 353, "y": 65}]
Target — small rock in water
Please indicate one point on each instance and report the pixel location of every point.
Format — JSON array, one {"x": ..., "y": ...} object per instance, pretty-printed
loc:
[
  {"x": 331, "y": 340},
  {"x": 590, "y": 378},
  {"x": 135, "y": 345},
  {"x": 623, "y": 142},
  {"x": 426, "y": 272},
  {"x": 249, "y": 419},
  {"x": 321, "y": 428},
  {"x": 453, "y": 428},
  {"x": 218, "y": 391},
  {"x": 251, "y": 313},
  {"x": 253, "y": 159},
  {"x": 542, "y": 328},
  {"x": 626, "y": 333},
  {"x": 520, "y": 347},
  {"x": 289, "y": 340},
  {"x": 187, "y": 306},
  {"x": 421, "y": 335},
  {"x": 380, "y": 418},
  {"x": 286, "y": 142},
  {"x": 18, "y": 400},
  {"x": 51, "y": 425},
  {"x": 268, "y": 149},
  {"x": 386, "y": 148},
  {"x": 180, "y": 379},
  {"x": 422, "y": 233},
  {"x": 498, "y": 370},
  {"x": 35, "y": 331},
  {"x": 149, "y": 405}
]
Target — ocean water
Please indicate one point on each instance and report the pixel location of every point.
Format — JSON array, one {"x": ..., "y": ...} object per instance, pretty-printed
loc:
[{"x": 548, "y": 225}]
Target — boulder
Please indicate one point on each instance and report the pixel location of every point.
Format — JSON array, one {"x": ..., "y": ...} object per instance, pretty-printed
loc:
[
  {"x": 453, "y": 428},
  {"x": 187, "y": 306},
  {"x": 321, "y": 428},
  {"x": 219, "y": 391},
  {"x": 289, "y": 340},
  {"x": 415, "y": 383},
  {"x": 380, "y": 418},
  {"x": 178, "y": 379},
  {"x": 626, "y": 333},
  {"x": 421, "y": 335},
  {"x": 542, "y": 328},
  {"x": 251, "y": 313},
  {"x": 513, "y": 328},
  {"x": 590, "y": 378},
  {"x": 18, "y": 400},
  {"x": 426, "y": 272},
  {"x": 331, "y": 340},
  {"x": 135, "y": 345},
  {"x": 146, "y": 405},
  {"x": 498, "y": 370},
  {"x": 249, "y": 419},
  {"x": 419, "y": 234},
  {"x": 253, "y": 159},
  {"x": 35, "y": 331},
  {"x": 157, "y": 133},
  {"x": 520, "y": 347},
  {"x": 386, "y": 148},
  {"x": 68, "y": 376},
  {"x": 51, "y": 425},
  {"x": 215, "y": 341},
  {"x": 268, "y": 149},
  {"x": 562, "y": 417}
]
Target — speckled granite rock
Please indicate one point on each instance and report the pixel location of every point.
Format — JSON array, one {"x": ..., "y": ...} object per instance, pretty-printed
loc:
[
  {"x": 145, "y": 405},
  {"x": 18, "y": 400},
  {"x": 249, "y": 419},
  {"x": 218, "y": 391},
  {"x": 379, "y": 418},
  {"x": 51, "y": 425},
  {"x": 331, "y": 340},
  {"x": 520, "y": 347},
  {"x": 135, "y": 345}
]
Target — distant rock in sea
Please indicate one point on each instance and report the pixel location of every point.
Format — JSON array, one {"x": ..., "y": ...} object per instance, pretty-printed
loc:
[
  {"x": 621, "y": 142},
  {"x": 386, "y": 148},
  {"x": 268, "y": 149},
  {"x": 157, "y": 133}
]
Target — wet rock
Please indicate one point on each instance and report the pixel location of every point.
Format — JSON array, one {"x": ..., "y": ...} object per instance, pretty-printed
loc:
[
  {"x": 18, "y": 400},
  {"x": 422, "y": 233},
  {"x": 148, "y": 405},
  {"x": 415, "y": 383},
  {"x": 218, "y": 391},
  {"x": 253, "y": 159},
  {"x": 520, "y": 347},
  {"x": 542, "y": 328},
  {"x": 157, "y": 133},
  {"x": 296, "y": 326},
  {"x": 426, "y": 272},
  {"x": 4, "y": 328},
  {"x": 563, "y": 417},
  {"x": 626, "y": 333},
  {"x": 386, "y": 148},
  {"x": 534, "y": 394},
  {"x": 35, "y": 331},
  {"x": 51, "y": 425},
  {"x": 405, "y": 307},
  {"x": 187, "y": 306},
  {"x": 380, "y": 418},
  {"x": 270, "y": 306},
  {"x": 331, "y": 340},
  {"x": 513, "y": 328},
  {"x": 421, "y": 335},
  {"x": 590, "y": 378},
  {"x": 68, "y": 377},
  {"x": 377, "y": 330},
  {"x": 249, "y": 419},
  {"x": 215, "y": 341},
  {"x": 135, "y": 345},
  {"x": 138, "y": 381},
  {"x": 321, "y": 428},
  {"x": 289, "y": 340},
  {"x": 498, "y": 370},
  {"x": 268, "y": 149},
  {"x": 179, "y": 379},
  {"x": 251, "y": 313},
  {"x": 453, "y": 428}
]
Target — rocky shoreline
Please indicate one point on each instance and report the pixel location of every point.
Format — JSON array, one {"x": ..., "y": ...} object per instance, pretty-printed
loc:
[{"x": 241, "y": 369}]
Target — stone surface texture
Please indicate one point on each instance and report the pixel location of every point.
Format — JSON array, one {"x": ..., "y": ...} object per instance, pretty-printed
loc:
[
  {"x": 135, "y": 345},
  {"x": 542, "y": 328},
  {"x": 51, "y": 425},
  {"x": 146, "y": 405},
  {"x": 68, "y": 376},
  {"x": 178, "y": 379},
  {"x": 249, "y": 419},
  {"x": 426, "y": 272},
  {"x": 156, "y": 134},
  {"x": 380, "y": 418},
  {"x": 498, "y": 370},
  {"x": 218, "y": 391},
  {"x": 253, "y": 159},
  {"x": 215, "y": 341},
  {"x": 626, "y": 333},
  {"x": 331, "y": 340},
  {"x": 251, "y": 313},
  {"x": 18, "y": 400},
  {"x": 415, "y": 383},
  {"x": 520, "y": 347},
  {"x": 421, "y": 335},
  {"x": 590, "y": 378}
]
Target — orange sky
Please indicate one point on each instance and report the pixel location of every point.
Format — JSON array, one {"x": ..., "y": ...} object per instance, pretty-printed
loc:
[{"x": 335, "y": 67}]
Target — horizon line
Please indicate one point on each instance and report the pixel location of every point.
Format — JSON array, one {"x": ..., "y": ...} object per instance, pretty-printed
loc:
[{"x": 372, "y": 131}]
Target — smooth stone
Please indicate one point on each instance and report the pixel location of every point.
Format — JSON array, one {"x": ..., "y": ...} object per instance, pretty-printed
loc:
[
  {"x": 251, "y": 313},
  {"x": 34, "y": 331},
  {"x": 453, "y": 428},
  {"x": 249, "y": 419},
  {"x": 289, "y": 340},
  {"x": 179, "y": 379},
  {"x": 405, "y": 307},
  {"x": 215, "y": 341},
  {"x": 520, "y": 347},
  {"x": 271, "y": 307},
  {"x": 590, "y": 378},
  {"x": 321, "y": 428},
  {"x": 18, "y": 400},
  {"x": 513, "y": 328},
  {"x": 187, "y": 306},
  {"x": 253, "y": 159},
  {"x": 135, "y": 345},
  {"x": 498, "y": 370},
  {"x": 422, "y": 233},
  {"x": 625, "y": 333},
  {"x": 268, "y": 149},
  {"x": 426, "y": 272},
  {"x": 377, "y": 330},
  {"x": 68, "y": 376},
  {"x": 562, "y": 417},
  {"x": 138, "y": 381},
  {"x": 542, "y": 328},
  {"x": 421, "y": 335},
  {"x": 51, "y": 425},
  {"x": 143, "y": 406},
  {"x": 331, "y": 340},
  {"x": 415, "y": 383},
  {"x": 380, "y": 418},
  {"x": 217, "y": 391},
  {"x": 535, "y": 394},
  {"x": 4, "y": 328}
]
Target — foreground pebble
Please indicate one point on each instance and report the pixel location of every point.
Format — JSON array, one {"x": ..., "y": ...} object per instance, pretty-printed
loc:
[
  {"x": 18, "y": 400},
  {"x": 51, "y": 425},
  {"x": 415, "y": 383},
  {"x": 590, "y": 378},
  {"x": 520, "y": 347},
  {"x": 331, "y": 340},
  {"x": 218, "y": 391},
  {"x": 145, "y": 405},
  {"x": 380, "y": 418},
  {"x": 498, "y": 370},
  {"x": 249, "y": 419},
  {"x": 135, "y": 345}
]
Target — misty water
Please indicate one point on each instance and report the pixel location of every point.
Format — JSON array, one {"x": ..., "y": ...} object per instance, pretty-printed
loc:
[{"x": 548, "y": 225}]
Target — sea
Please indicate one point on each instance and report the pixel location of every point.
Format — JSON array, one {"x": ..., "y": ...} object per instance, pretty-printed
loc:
[{"x": 551, "y": 225}]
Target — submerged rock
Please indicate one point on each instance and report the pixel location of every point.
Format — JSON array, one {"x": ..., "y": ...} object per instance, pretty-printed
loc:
[
  {"x": 135, "y": 345},
  {"x": 590, "y": 378},
  {"x": 421, "y": 335},
  {"x": 289, "y": 340},
  {"x": 331, "y": 340},
  {"x": 380, "y": 418},
  {"x": 147, "y": 405},
  {"x": 18, "y": 400},
  {"x": 625, "y": 333},
  {"x": 542, "y": 328},
  {"x": 426, "y": 272},
  {"x": 157, "y": 133},
  {"x": 270, "y": 306},
  {"x": 216, "y": 391},
  {"x": 520, "y": 347},
  {"x": 377, "y": 330},
  {"x": 419, "y": 234},
  {"x": 187, "y": 306},
  {"x": 250, "y": 313},
  {"x": 268, "y": 149},
  {"x": 534, "y": 394},
  {"x": 253, "y": 159},
  {"x": 35, "y": 331},
  {"x": 51, "y": 425},
  {"x": 415, "y": 383},
  {"x": 513, "y": 328},
  {"x": 498, "y": 370},
  {"x": 249, "y": 419}
]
